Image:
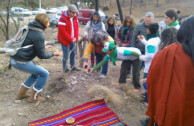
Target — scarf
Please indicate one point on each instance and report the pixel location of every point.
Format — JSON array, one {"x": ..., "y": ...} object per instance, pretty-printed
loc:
[
  {"x": 96, "y": 25},
  {"x": 113, "y": 56},
  {"x": 175, "y": 23},
  {"x": 124, "y": 32},
  {"x": 149, "y": 36}
]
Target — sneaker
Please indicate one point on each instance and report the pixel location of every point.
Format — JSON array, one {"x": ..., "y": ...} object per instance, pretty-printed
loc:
[
  {"x": 143, "y": 95},
  {"x": 75, "y": 69},
  {"x": 144, "y": 102},
  {"x": 102, "y": 76},
  {"x": 128, "y": 76},
  {"x": 66, "y": 70},
  {"x": 145, "y": 122}
]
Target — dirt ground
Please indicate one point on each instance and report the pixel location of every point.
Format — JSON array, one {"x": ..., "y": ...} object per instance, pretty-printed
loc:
[{"x": 63, "y": 91}]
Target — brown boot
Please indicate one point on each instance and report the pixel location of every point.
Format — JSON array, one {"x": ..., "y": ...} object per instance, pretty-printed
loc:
[
  {"x": 35, "y": 97},
  {"x": 22, "y": 93}
]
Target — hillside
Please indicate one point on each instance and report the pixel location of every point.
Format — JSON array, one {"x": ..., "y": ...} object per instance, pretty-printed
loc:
[{"x": 139, "y": 9}]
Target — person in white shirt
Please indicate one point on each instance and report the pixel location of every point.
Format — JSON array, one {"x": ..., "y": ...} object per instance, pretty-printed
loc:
[{"x": 151, "y": 48}]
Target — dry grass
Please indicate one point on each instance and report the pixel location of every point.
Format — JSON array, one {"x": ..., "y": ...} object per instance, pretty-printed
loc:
[{"x": 110, "y": 96}]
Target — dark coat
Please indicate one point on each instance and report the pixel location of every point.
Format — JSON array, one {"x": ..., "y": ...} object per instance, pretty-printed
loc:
[{"x": 35, "y": 38}]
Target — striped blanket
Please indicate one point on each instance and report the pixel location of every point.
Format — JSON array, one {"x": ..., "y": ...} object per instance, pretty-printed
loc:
[{"x": 95, "y": 113}]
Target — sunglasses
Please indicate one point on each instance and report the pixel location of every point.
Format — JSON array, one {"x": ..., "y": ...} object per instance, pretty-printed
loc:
[{"x": 72, "y": 12}]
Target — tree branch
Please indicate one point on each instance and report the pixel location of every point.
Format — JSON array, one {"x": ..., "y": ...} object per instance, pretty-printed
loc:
[
  {"x": 3, "y": 20},
  {"x": 15, "y": 23}
]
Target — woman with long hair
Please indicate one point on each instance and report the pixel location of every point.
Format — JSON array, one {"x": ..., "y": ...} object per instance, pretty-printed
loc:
[
  {"x": 95, "y": 24},
  {"x": 111, "y": 28},
  {"x": 125, "y": 38}
]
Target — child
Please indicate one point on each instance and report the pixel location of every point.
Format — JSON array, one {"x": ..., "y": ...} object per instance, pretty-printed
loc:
[
  {"x": 129, "y": 54},
  {"x": 151, "y": 48}
]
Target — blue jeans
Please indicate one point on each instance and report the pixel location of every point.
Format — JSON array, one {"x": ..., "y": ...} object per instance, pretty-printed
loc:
[
  {"x": 145, "y": 86},
  {"x": 99, "y": 58},
  {"x": 142, "y": 65},
  {"x": 39, "y": 75},
  {"x": 66, "y": 51}
]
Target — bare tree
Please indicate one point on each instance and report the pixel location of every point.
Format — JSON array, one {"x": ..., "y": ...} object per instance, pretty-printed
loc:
[
  {"x": 5, "y": 17},
  {"x": 4, "y": 26}
]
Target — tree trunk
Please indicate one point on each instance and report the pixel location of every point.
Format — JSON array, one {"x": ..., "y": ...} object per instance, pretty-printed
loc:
[
  {"x": 120, "y": 10},
  {"x": 96, "y": 5},
  {"x": 7, "y": 27},
  {"x": 157, "y": 3},
  {"x": 131, "y": 7}
]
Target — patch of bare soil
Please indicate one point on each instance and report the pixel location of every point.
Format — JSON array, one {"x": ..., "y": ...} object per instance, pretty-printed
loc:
[{"x": 64, "y": 91}]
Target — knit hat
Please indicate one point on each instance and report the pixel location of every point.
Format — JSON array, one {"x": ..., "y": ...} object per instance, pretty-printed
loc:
[
  {"x": 72, "y": 8},
  {"x": 153, "y": 27},
  {"x": 108, "y": 45}
]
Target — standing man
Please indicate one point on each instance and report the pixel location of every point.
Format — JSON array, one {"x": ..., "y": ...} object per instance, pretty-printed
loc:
[
  {"x": 68, "y": 32},
  {"x": 140, "y": 29}
]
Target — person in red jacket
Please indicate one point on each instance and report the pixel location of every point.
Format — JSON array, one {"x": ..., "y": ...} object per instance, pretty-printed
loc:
[{"x": 68, "y": 32}]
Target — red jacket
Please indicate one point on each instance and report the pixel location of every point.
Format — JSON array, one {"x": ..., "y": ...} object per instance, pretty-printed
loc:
[{"x": 65, "y": 29}]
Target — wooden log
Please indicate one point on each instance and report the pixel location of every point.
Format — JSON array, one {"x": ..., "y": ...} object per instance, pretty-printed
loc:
[
  {"x": 81, "y": 45},
  {"x": 51, "y": 42},
  {"x": 2, "y": 50}
]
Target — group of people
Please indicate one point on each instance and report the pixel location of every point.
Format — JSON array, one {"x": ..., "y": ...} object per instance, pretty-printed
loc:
[{"x": 168, "y": 57}]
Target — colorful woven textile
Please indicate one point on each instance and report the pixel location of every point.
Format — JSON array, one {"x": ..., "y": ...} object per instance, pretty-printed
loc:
[{"x": 94, "y": 113}]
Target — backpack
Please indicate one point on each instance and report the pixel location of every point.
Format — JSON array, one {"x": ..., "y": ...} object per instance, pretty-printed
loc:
[{"x": 14, "y": 44}]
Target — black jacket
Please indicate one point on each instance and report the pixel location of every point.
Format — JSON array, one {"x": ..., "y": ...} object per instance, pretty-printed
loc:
[{"x": 35, "y": 38}]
